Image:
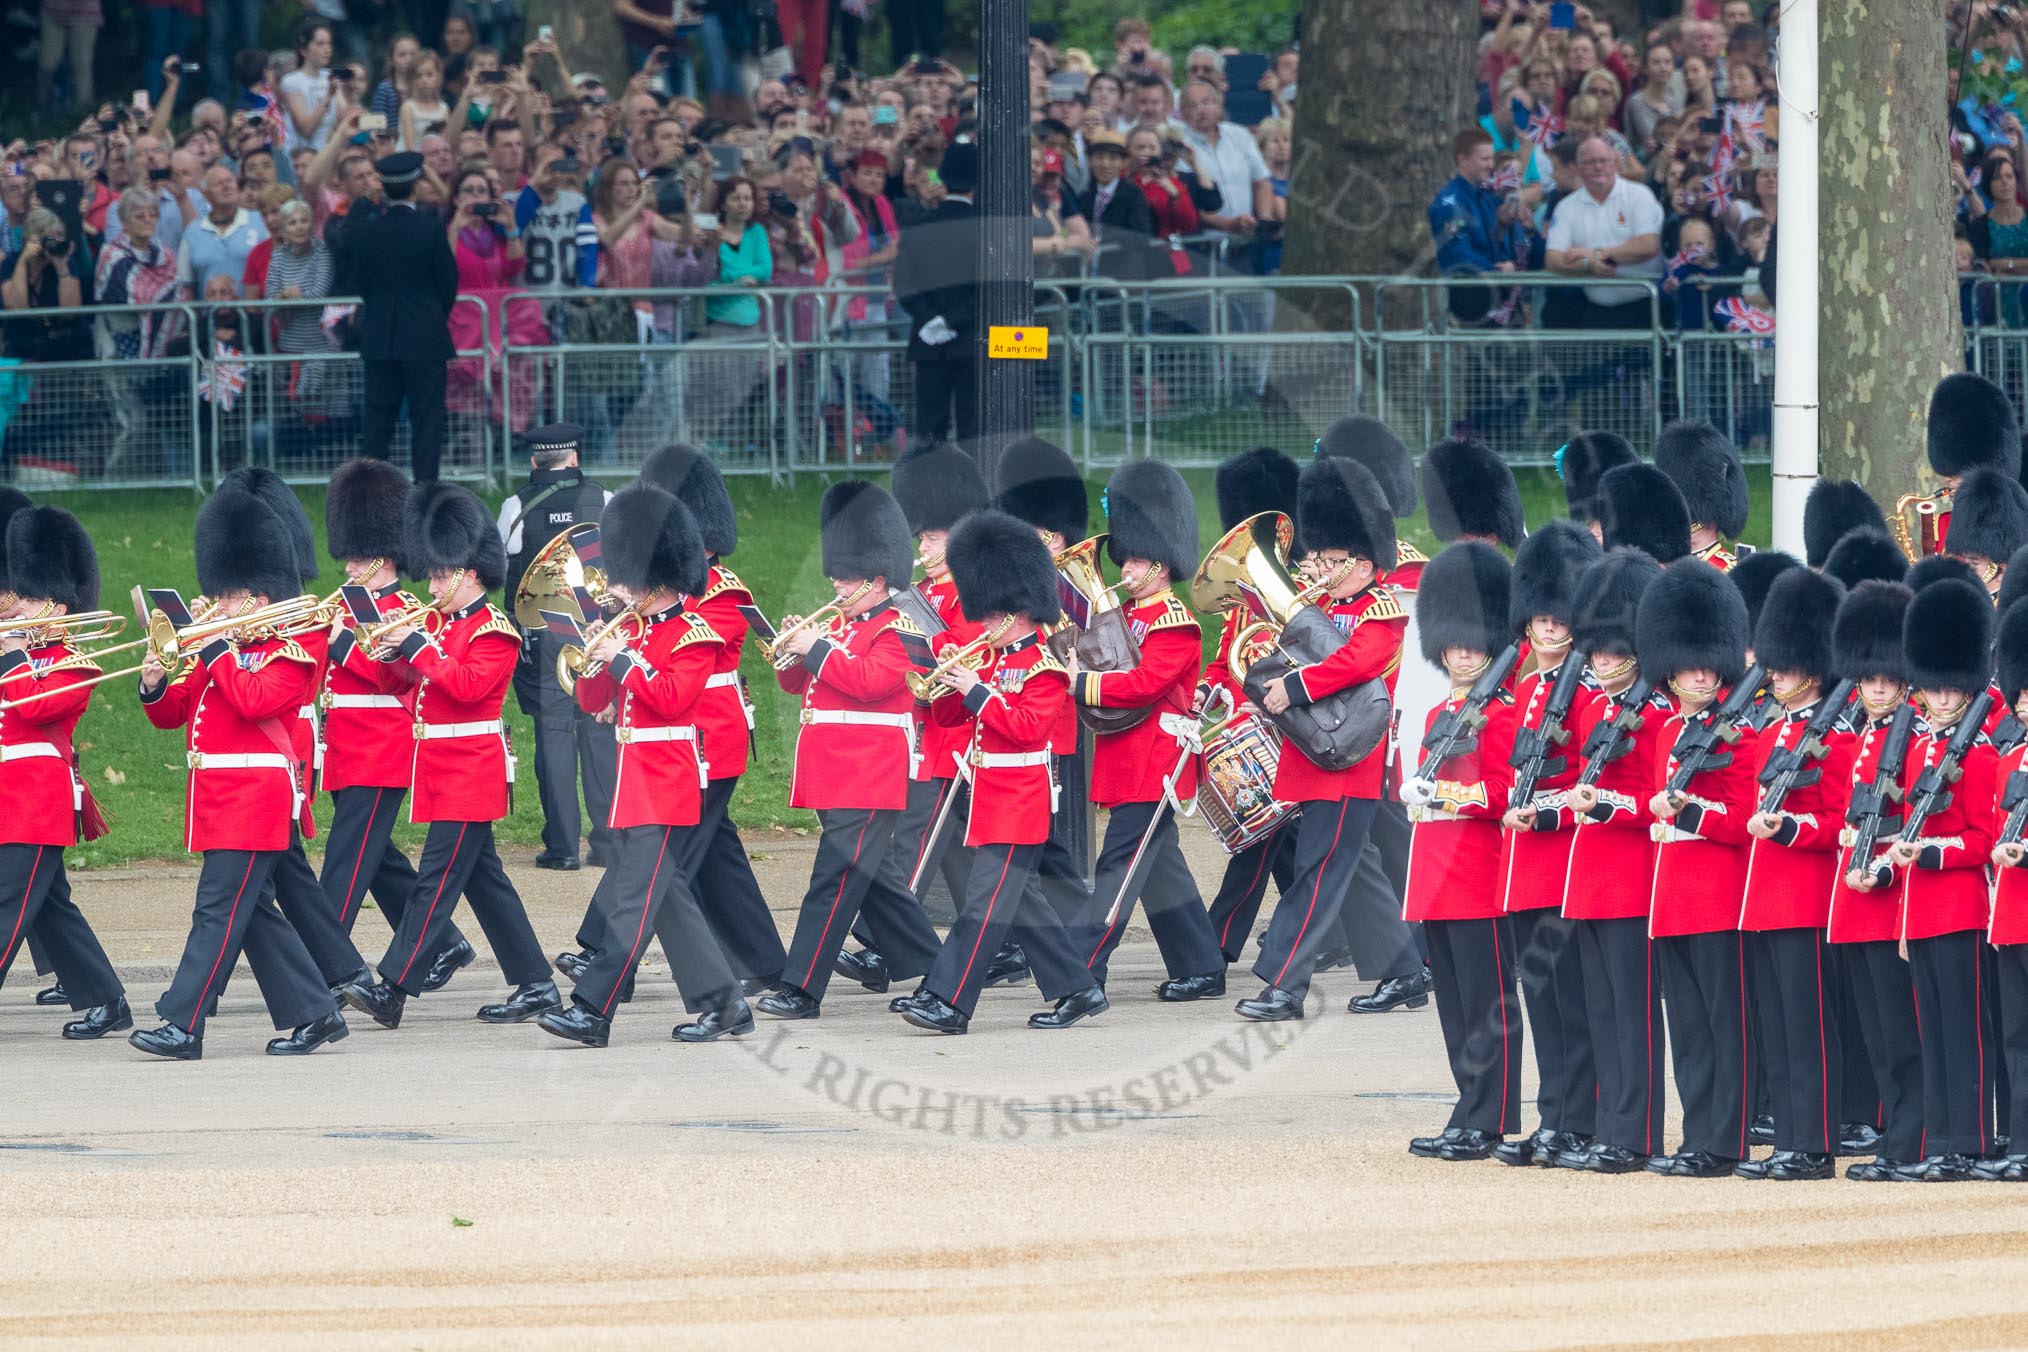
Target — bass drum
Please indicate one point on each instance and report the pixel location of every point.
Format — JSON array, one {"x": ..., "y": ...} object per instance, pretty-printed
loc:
[{"x": 1236, "y": 791}]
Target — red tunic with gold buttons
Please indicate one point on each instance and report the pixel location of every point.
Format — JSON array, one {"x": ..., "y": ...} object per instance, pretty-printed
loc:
[
  {"x": 369, "y": 737},
  {"x": 1874, "y": 916},
  {"x": 309, "y": 749},
  {"x": 1718, "y": 556},
  {"x": 855, "y": 743},
  {"x": 1009, "y": 717},
  {"x": 247, "y": 778},
  {"x": 1539, "y": 859},
  {"x": 1134, "y": 766},
  {"x": 2009, "y": 924},
  {"x": 461, "y": 768},
  {"x": 942, "y": 745},
  {"x": 40, "y": 792},
  {"x": 724, "y": 718},
  {"x": 1406, "y": 575},
  {"x": 1790, "y": 878},
  {"x": 1701, "y": 854},
  {"x": 659, "y": 683},
  {"x": 1454, "y": 860},
  {"x": 1947, "y": 890},
  {"x": 1612, "y": 858},
  {"x": 1373, "y": 623}
]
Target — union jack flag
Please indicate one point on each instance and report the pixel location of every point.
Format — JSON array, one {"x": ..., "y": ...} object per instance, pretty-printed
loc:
[
  {"x": 1743, "y": 318},
  {"x": 1507, "y": 178},
  {"x": 224, "y": 379},
  {"x": 1749, "y": 120},
  {"x": 268, "y": 108},
  {"x": 1717, "y": 190},
  {"x": 1723, "y": 152},
  {"x": 1544, "y": 128},
  {"x": 1694, "y": 254}
]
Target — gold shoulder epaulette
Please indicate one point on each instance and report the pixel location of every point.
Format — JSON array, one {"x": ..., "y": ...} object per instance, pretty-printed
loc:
[
  {"x": 1386, "y": 606},
  {"x": 291, "y": 651},
  {"x": 728, "y": 581},
  {"x": 496, "y": 623},
  {"x": 696, "y": 631},
  {"x": 1047, "y": 662},
  {"x": 1174, "y": 616},
  {"x": 905, "y": 625},
  {"x": 1404, "y": 552},
  {"x": 75, "y": 662}
]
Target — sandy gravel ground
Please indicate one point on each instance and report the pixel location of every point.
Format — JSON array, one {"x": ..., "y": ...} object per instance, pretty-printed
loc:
[{"x": 1159, "y": 1176}]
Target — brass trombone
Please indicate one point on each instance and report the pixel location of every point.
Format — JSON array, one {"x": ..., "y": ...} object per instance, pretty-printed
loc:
[
  {"x": 974, "y": 656},
  {"x": 573, "y": 666},
  {"x": 772, "y": 648},
  {"x": 86, "y": 626}
]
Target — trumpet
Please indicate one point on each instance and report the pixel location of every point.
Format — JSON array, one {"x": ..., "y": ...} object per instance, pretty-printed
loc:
[
  {"x": 973, "y": 656},
  {"x": 371, "y": 636},
  {"x": 573, "y": 666},
  {"x": 86, "y": 626},
  {"x": 772, "y": 649}
]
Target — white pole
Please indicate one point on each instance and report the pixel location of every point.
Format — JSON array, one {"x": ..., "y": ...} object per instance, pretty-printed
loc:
[{"x": 1795, "y": 377}]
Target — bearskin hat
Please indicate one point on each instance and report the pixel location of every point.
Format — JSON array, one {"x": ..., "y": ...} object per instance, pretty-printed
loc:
[
  {"x": 2013, "y": 582},
  {"x": 693, "y": 479},
  {"x": 1371, "y": 443},
  {"x": 1989, "y": 518},
  {"x": 1754, "y": 575},
  {"x": 1866, "y": 637},
  {"x": 1001, "y": 566},
  {"x": 651, "y": 541},
  {"x": 243, "y": 546},
  {"x": 1340, "y": 506},
  {"x": 12, "y": 500},
  {"x": 281, "y": 499},
  {"x": 1470, "y": 491},
  {"x": 865, "y": 534},
  {"x": 1462, "y": 601},
  {"x": 1546, "y": 570},
  {"x": 447, "y": 529},
  {"x": 1947, "y": 637},
  {"x": 1866, "y": 555},
  {"x": 936, "y": 484},
  {"x": 1706, "y": 468},
  {"x": 2011, "y": 653},
  {"x": 1151, "y": 515},
  {"x": 1260, "y": 480},
  {"x": 1793, "y": 632},
  {"x": 1691, "y": 619},
  {"x": 49, "y": 557},
  {"x": 1935, "y": 568},
  {"x": 1835, "y": 509},
  {"x": 362, "y": 511},
  {"x": 1608, "y": 597},
  {"x": 1583, "y": 461},
  {"x": 1972, "y": 423},
  {"x": 1638, "y": 505},
  {"x": 1039, "y": 484}
]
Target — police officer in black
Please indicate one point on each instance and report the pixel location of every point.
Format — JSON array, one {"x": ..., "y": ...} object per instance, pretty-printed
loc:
[
  {"x": 399, "y": 262},
  {"x": 557, "y": 497}
]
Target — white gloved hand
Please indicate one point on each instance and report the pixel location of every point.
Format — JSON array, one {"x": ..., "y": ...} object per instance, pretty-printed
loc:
[
  {"x": 936, "y": 333},
  {"x": 1418, "y": 792}
]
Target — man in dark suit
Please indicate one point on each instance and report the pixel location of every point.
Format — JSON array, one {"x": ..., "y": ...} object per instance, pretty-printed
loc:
[
  {"x": 1121, "y": 220},
  {"x": 399, "y": 262},
  {"x": 936, "y": 279}
]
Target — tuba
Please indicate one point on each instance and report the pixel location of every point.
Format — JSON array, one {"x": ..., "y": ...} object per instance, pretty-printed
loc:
[
  {"x": 1104, "y": 642},
  {"x": 1920, "y": 522},
  {"x": 554, "y": 576}
]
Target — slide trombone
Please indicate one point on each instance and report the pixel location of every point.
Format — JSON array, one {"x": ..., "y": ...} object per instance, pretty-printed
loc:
[
  {"x": 782, "y": 660},
  {"x": 973, "y": 656},
  {"x": 86, "y": 626},
  {"x": 573, "y": 666}
]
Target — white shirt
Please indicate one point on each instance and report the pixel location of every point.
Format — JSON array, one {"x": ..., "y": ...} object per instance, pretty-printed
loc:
[
  {"x": 1583, "y": 222},
  {"x": 1235, "y": 165},
  {"x": 310, "y": 88}
]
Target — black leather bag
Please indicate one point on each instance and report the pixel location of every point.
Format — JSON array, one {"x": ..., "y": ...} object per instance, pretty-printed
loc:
[
  {"x": 1336, "y": 732},
  {"x": 1108, "y": 644}
]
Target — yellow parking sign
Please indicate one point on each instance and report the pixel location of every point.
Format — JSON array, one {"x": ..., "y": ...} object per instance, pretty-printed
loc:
[{"x": 1021, "y": 342}]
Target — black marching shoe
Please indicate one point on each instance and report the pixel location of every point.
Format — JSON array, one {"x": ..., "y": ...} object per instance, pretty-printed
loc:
[
  {"x": 1204, "y": 986},
  {"x": 1073, "y": 1007},
  {"x": 733, "y": 1020},
  {"x": 1470, "y": 1143},
  {"x": 96, "y": 1023},
  {"x": 1949, "y": 1169},
  {"x": 751, "y": 986},
  {"x": 573, "y": 965},
  {"x": 311, "y": 1036},
  {"x": 1426, "y": 1147},
  {"x": 576, "y": 1022},
  {"x": 866, "y": 967},
  {"x": 54, "y": 995},
  {"x": 1857, "y": 1138},
  {"x": 562, "y": 863},
  {"x": 1400, "y": 992},
  {"x": 1272, "y": 1005},
  {"x": 1333, "y": 960},
  {"x": 933, "y": 1014},
  {"x": 378, "y": 999},
  {"x": 2003, "y": 1169},
  {"x": 1613, "y": 1159},
  {"x": 529, "y": 1000},
  {"x": 901, "y": 1002},
  {"x": 1522, "y": 1151},
  {"x": 790, "y": 1002},
  {"x": 1799, "y": 1166},
  {"x": 1762, "y": 1129},
  {"x": 1569, "y": 1151},
  {"x": 1753, "y": 1168},
  {"x": 362, "y": 977},
  {"x": 169, "y": 1042},
  {"x": 1008, "y": 968},
  {"x": 448, "y": 964},
  {"x": 1879, "y": 1170},
  {"x": 1692, "y": 1164}
]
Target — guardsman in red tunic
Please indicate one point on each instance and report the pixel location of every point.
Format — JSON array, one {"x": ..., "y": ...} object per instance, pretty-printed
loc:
[
  {"x": 1706, "y": 469},
  {"x": 1989, "y": 523},
  {"x": 1544, "y": 602},
  {"x": 855, "y": 749},
  {"x": 1009, "y": 709},
  {"x": 1145, "y": 773},
  {"x": 1972, "y": 425},
  {"x": 1608, "y": 886},
  {"x": 1940, "y": 876},
  {"x": 1691, "y": 634},
  {"x": 1455, "y": 802},
  {"x": 461, "y": 664},
  {"x": 53, "y": 571},
  {"x": 654, "y": 671},
  {"x": 239, "y": 700},
  {"x": 1794, "y": 978},
  {"x": 2007, "y": 932},
  {"x": 1344, "y": 521}
]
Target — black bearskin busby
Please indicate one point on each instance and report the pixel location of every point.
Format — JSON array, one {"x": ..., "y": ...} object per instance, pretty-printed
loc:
[
  {"x": 935, "y": 485},
  {"x": 693, "y": 479},
  {"x": 362, "y": 511},
  {"x": 1706, "y": 468},
  {"x": 1038, "y": 483},
  {"x": 1001, "y": 566},
  {"x": 865, "y": 534},
  {"x": 1972, "y": 424},
  {"x": 1793, "y": 632},
  {"x": 1608, "y": 598},
  {"x": 1151, "y": 515},
  {"x": 1947, "y": 637},
  {"x": 1935, "y": 568},
  {"x": 12, "y": 500},
  {"x": 1340, "y": 506},
  {"x": 1866, "y": 637},
  {"x": 2013, "y": 582},
  {"x": 1835, "y": 509},
  {"x": 1371, "y": 443},
  {"x": 1260, "y": 480},
  {"x": 1864, "y": 556},
  {"x": 1754, "y": 575},
  {"x": 1989, "y": 518},
  {"x": 2011, "y": 654},
  {"x": 1583, "y": 461},
  {"x": 447, "y": 529},
  {"x": 1691, "y": 619},
  {"x": 1546, "y": 570},
  {"x": 243, "y": 546},
  {"x": 281, "y": 499},
  {"x": 1470, "y": 491},
  {"x": 651, "y": 541},
  {"x": 1462, "y": 600},
  {"x": 51, "y": 558},
  {"x": 1640, "y": 506}
]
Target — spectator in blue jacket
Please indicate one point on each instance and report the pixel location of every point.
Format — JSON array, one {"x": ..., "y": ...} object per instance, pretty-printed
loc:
[{"x": 1466, "y": 221}]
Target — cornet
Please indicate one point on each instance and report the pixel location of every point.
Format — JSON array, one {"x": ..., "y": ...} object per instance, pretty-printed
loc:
[
  {"x": 373, "y": 635},
  {"x": 823, "y": 615},
  {"x": 573, "y": 666},
  {"x": 973, "y": 656}
]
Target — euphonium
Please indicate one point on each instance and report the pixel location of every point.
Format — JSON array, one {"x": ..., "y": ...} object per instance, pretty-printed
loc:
[
  {"x": 824, "y": 614},
  {"x": 1919, "y": 522},
  {"x": 1249, "y": 568},
  {"x": 554, "y": 576},
  {"x": 572, "y": 664},
  {"x": 974, "y": 655}
]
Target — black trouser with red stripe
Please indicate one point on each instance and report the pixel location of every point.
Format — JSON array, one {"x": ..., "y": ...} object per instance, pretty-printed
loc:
[
  {"x": 35, "y": 905},
  {"x": 1858, "y": 1093},
  {"x": 1552, "y": 985},
  {"x": 1175, "y": 910},
  {"x": 1624, "y": 1004},
  {"x": 2012, "y": 962},
  {"x": 1883, "y": 993},
  {"x": 1000, "y": 905},
  {"x": 846, "y": 877},
  {"x": 646, "y": 892},
  {"x": 1240, "y": 892},
  {"x": 235, "y": 911},
  {"x": 1473, "y": 962},
  {"x": 1704, "y": 977},
  {"x": 1383, "y": 946},
  {"x": 305, "y": 905},
  {"x": 458, "y": 858},
  {"x": 39, "y": 956},
  {"x": 1329, "y": 838},
  {"x": 1792, "y": 1004},
  {"x": 951, "y": 861},
  {"x": 360, "y": 856},
  {"x": 1949, "y": 972}
]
